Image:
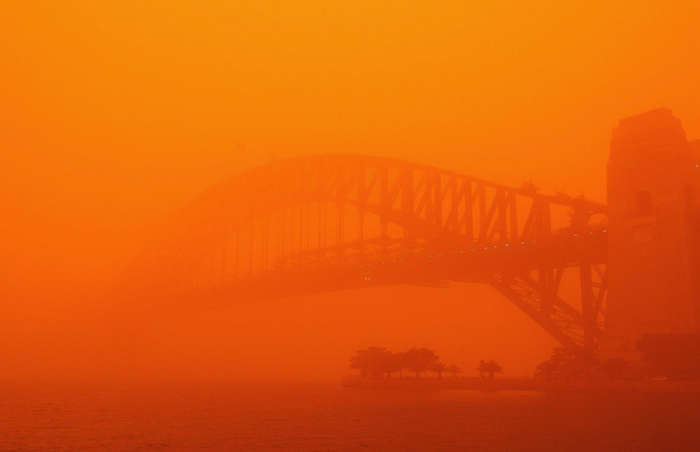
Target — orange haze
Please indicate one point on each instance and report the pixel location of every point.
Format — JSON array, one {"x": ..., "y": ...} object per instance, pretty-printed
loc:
[{"x": 117, "y": 113}]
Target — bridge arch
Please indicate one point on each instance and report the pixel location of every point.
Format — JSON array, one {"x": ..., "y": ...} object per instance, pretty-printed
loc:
[{"x": 325, "y": 223}]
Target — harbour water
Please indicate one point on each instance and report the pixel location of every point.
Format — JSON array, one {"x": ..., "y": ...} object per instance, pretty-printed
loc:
[{"x": 324, "y": 417}]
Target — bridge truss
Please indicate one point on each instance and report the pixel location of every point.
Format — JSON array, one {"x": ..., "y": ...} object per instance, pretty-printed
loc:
[{"x": 327, "y": 223}]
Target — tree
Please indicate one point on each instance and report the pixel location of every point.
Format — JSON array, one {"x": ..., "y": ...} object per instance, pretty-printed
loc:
[
  {"x": 565, "y": 364},
  {"x": 454, "y": 370},
  {"x": 545, "y": 370},
  {"x": 372, "y": 361},
  {"x": 489, "y": 369},
  {"x": 482, "y": 368},
  {"x": 438, "y": 368},
  {"x": 397, "y": 363},
  {"x": 494, "y": 368},
  {"x": 420, "y": 360}
]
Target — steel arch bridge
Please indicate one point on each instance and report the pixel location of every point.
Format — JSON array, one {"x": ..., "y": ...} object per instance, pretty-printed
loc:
[{"x": 326, "y": 223}]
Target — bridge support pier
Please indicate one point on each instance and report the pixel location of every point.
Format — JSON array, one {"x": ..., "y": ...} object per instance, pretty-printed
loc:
[{"x": 653, "y": 187}]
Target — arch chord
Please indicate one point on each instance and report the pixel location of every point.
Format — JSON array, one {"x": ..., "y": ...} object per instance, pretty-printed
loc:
[{"x": 332, "y": 222}]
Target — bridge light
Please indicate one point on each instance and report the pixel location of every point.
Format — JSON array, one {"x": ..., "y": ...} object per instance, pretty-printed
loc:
[
  {"x": 507, "y": 245},
  {"x": 522, "y": 243},
  {"x": 575, "y": 235},
  {"x": 495, "y": 246},
  {"x": 605, "y": 230}
]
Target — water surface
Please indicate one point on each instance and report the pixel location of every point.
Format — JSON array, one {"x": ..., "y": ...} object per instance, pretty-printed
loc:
[{"x": 236, "y": 416}]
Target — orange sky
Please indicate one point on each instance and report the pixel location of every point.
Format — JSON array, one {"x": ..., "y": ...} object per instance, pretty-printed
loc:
[{"x": 116, "y": 113}]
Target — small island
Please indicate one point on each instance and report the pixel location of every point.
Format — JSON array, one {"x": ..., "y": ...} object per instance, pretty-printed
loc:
[{"x": 422, "y": 368}]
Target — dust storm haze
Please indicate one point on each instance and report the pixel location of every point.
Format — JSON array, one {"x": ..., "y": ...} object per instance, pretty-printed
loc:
[{"x": 116, "y": 115}]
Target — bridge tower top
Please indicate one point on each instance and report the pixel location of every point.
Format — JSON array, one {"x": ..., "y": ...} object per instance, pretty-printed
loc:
[{"x": 652, "y": 192}]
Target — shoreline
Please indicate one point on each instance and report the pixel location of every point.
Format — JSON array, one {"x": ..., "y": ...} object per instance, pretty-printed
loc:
[
  {"x": 430, "y": 383},
  {"x": 519, "y": 384}
]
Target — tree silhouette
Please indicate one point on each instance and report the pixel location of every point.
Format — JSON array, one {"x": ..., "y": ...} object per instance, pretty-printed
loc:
[
  {"x": 454, "y": 370},
  {"x": 420, "y": 360},
  {"x": 488, "y": 369},
  {"x": 379, "y": 362},
  {"x": 438, "y": 368},
  {"x": 482, "y": 368},
  {"x": 564, "y": 364},
  {"x": 372, "y": 361},
  {"x": 397, "y": 363}
]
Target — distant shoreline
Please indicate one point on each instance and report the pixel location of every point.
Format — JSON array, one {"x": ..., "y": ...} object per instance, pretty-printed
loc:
[
  {"x": 518, "y": 384},
  {"x": 462, "y": 383}
]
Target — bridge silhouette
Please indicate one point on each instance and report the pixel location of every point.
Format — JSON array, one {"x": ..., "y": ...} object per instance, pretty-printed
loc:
[{"x": 327, "y": 223}]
